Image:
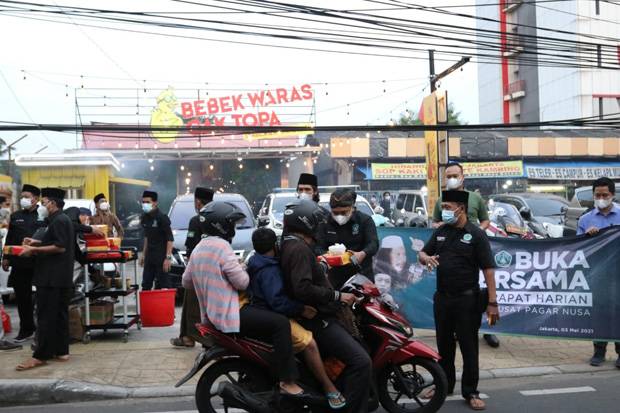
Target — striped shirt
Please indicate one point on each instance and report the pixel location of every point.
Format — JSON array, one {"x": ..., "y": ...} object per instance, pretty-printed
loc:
[{"x": 215, "y": 273}]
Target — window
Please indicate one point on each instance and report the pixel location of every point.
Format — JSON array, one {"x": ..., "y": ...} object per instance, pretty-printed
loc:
[
  {"x": 400, "y": 202},
  {"x": 409, "y": 203}
]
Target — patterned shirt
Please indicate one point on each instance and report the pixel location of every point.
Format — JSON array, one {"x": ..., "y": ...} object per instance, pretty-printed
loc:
[{"x": 214, "y": 272}]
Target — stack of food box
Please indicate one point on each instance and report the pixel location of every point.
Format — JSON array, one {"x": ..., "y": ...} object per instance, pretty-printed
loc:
[{"x": 101, "y": 248}]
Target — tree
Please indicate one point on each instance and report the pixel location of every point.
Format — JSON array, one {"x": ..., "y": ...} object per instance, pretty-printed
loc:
[{"x": 411, "y": 117}]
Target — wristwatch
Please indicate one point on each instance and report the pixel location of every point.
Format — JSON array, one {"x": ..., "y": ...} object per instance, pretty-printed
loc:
[
  {"x": 168, "y": 257},
  {"x": 493, "y": 304}
]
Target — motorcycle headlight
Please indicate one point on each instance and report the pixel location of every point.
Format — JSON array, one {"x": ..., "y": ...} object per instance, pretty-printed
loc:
[{"x": 278, "y": 225}]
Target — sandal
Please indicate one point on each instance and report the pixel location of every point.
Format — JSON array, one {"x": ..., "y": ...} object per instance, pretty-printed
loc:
[
  {"x": 62, "y": 359},
  {"x": 30, "y": 364},
  {"x": 475, "y": 402},
  {"x": 336, "y": 400},
  {"x": 179, "y": 342}
]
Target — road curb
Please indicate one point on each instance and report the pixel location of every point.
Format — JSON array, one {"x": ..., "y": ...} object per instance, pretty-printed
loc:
[{"x": 46, "y": 391}]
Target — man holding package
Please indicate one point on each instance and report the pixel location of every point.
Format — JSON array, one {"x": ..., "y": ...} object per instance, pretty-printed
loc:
[
  {"x": 23, "y": 224},
  {"x": 53, "y": 277},
  {"x": 103, "y": 216},
  {"x": 356, "y": 230}
]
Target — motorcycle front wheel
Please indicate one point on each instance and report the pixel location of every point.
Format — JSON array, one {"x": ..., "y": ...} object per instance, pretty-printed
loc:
[
  {"x": 234, "y": 371},
  {"x": 416, "y": 386}
]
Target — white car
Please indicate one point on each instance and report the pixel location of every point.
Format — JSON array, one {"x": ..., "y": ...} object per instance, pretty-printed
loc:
[{"x": 272, "y": 210}]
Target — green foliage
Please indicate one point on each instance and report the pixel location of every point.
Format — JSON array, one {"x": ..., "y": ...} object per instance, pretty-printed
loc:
[{"x": 411, "y": 117}]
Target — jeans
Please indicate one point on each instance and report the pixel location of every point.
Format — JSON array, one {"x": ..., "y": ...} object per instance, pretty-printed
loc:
[
  {"x": 458, "y": 315},
  {"x": 276, "y": 329},
  {"x": 335, "y": 341},
  {"x": 154, "y": 273}
]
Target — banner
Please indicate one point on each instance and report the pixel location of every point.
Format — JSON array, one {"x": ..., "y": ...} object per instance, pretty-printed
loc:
[
  {"x": 560, "y": 287},
  {"x": 573, "y": 171},
  {"x": 500, "y": 169},
  {"x": 429, "y": 105}
]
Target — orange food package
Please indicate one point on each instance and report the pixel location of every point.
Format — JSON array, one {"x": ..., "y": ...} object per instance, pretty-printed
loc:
[
  {"x": 12, "y": 250},
  {"x": 114, "y": 243}
]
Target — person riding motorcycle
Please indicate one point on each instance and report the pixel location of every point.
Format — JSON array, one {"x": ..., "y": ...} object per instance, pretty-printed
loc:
[
  {"x": 305, "y": 281},
  {"x": 219, "y": 280}
]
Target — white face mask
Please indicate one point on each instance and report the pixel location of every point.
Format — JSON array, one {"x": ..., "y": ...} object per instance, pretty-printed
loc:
[
  {"x": 453, "y": 183},
  {"x": 25, "y": 203},
  {"x": 43, "y": 212},
  {"x": 104, "y": 206},
  {"x": 341, "y": 219},
  {"x": 602, "y": 203},
  {"x": 304, "y": 196}
]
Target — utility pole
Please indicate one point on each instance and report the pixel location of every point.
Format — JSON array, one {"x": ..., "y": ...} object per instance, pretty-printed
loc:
[
  {"x": 10, "y": 148},
  {"x": 435, "y": 78},
  {"x": 431, "y": 64}
]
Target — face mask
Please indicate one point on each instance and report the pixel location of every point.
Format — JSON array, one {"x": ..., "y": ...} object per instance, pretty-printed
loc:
[
  {"x": 387, "y": 198},
  {"x": 104, "y": 206},
  {"x": 341, "y": 219},
  {"x": 147, "y": 207},
  {"x": 453, "y": 183},
  {"x": 305, "y": 196},
  {"x": 447, "y": 216},
  {"x": 43, "y": 212},
  {"x": 602, "y": 203},
  {"x": 25, "y": 203}
]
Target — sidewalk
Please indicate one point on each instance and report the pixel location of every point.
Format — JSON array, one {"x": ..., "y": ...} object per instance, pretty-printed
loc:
[{"x": 148, "y": 366}]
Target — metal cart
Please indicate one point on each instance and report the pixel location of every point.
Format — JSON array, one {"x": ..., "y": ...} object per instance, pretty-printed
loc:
[{"x": 121, "y": 321}]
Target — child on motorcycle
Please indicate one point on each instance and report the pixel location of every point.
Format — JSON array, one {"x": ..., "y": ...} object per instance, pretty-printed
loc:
[
  {"x": 267, "y": 291},
  {"x": 219, "y": 280}
]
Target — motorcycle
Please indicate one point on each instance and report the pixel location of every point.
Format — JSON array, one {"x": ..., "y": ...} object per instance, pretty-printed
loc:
[
  {"x": 507, "y": 222},
  {"x": 407, "y": 377}
]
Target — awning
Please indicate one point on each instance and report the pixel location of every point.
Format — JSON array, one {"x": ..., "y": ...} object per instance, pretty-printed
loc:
[
  {"x": 67, "y": 182},
  {"x": 129, "y": 181},
  {"x": 5, "y": 179}
]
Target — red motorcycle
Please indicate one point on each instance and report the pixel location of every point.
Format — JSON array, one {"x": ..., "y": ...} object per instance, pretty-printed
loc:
[{"x": 407, "y": 375}]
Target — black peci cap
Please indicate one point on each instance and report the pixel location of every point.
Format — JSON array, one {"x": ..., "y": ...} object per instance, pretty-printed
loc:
[
  {"x": 204, "y": 194},
  {"x": 308, "y": 179},
  {"x": 55, "y": 193},
  {"x": 150, "y": 194},
  {"x": 32, "y": 189}
]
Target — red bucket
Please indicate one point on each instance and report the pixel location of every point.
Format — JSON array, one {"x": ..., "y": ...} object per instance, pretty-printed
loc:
[
  {"x": 5, "y": 319},
  {"x": 157, "y": 307}
]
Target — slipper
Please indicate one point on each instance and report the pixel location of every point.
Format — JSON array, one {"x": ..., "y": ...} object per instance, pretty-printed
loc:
[
  {"x": 476, "y": 398},
  {"x": 179, "y": 342},
  {"x": 62, "y": 359},
  {"x": 30, "y": 364},
  {"x": 336, "y": 400},
  {"x": 428, "y": 393}
]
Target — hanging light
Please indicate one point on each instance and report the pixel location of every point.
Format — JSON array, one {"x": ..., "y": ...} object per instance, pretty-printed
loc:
[
  {"x": 367, "y": 135},
  {"x": 267, "y": 166},
  {"x": 187, "y": 181},
  {"x": 152, "y": 168},
  {"x": 211, "y": 167},
  {"x": 150, "y": 160},
  {"x": 288, "y": 165},
  {"x": 182, "y": 167},
  {"x": 189, "y": 174},
  {"x": 305, "y": 163},
  {"x": 240, "y": 166},
  {"x": 314, "y": 160}
]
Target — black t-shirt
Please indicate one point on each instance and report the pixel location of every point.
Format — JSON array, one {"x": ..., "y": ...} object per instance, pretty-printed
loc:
[
  {"x": 194, "y": 235},
  {"x": 359, "y": 234},
  {"x": 157, "y": 231},
  {"x": 463, "y": 252},
  {"x": 56, "y": 270},
  {"x": 23, "y": 224}
]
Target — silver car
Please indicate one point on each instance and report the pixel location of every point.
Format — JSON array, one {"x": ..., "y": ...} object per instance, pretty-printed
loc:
[{"x": 182, "y": 210}]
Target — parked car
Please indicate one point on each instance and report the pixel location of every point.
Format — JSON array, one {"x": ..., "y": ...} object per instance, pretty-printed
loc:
[
  {"x": 544, "y": 209},
  {"x": 411, "y": 208},
  {"x": 271, "y": 212},
  {"x": 581, "y": 203}
]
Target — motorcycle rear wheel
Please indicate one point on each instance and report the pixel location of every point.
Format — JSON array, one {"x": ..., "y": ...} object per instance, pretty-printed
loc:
[
  {"x": 391, "y": 379},
  {"x": 232, "y": 370}
]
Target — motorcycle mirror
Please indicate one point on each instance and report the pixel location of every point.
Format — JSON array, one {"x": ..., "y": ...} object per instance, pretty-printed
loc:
[{"x": 525, "y": 213}]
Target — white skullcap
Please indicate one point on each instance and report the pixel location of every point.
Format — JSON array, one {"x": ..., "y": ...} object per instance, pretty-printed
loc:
[{"x": 392, "y": 241}]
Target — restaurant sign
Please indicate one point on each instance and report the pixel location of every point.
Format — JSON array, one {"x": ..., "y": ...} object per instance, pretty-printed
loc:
[
  {"x": 505, "y": 169},
  {"x": 572, "y": 171}
]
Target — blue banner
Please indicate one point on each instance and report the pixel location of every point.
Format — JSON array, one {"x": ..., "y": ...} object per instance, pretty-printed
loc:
[{"x": 557, "y": 287}]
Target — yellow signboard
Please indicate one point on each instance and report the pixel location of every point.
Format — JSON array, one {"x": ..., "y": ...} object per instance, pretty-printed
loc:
[
  {"x": 429, "y": 107},
  {"x": 502, "y": 169}
]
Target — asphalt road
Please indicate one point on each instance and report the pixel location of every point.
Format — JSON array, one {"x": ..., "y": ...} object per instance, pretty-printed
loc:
[{"x": 563, "y": 393}]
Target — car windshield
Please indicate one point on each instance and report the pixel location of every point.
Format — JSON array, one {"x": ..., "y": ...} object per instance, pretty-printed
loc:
[
  {"x": 279, "y": 204},
  {"x": 546, "y": 207},
  {"x": 182, "y": 212},
  {"x": 363, "y": 207},
  {"x": 506, "y": 214}
]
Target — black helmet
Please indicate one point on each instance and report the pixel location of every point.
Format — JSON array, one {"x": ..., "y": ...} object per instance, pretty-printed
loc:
[
  {"x": 303, "y": 217},
  {"x": 219, "y": 219}
]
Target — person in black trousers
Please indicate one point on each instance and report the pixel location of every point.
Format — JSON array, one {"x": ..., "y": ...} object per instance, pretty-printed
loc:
[
  {"x": 306, "y": 282},
  {"x": 190, "y": 315},
  {"x": 157, "y": 254},
  {"x": 53, "y": 277},
  {"x": 459, "y": 250},
  {"x": 23, "y": 224}
]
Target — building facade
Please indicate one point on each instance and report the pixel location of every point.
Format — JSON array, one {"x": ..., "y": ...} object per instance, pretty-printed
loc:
[{"x": 525, "y": 86}]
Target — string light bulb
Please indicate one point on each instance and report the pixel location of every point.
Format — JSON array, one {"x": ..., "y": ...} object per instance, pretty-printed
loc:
[
  {"x": 182, "y": 167},
  {"x": 211, "y": 167}
]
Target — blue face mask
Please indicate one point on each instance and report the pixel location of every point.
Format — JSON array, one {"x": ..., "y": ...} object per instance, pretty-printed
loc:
[
  {"x": 147, "y": 207},
  {"x": 448, "y": 216}
]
